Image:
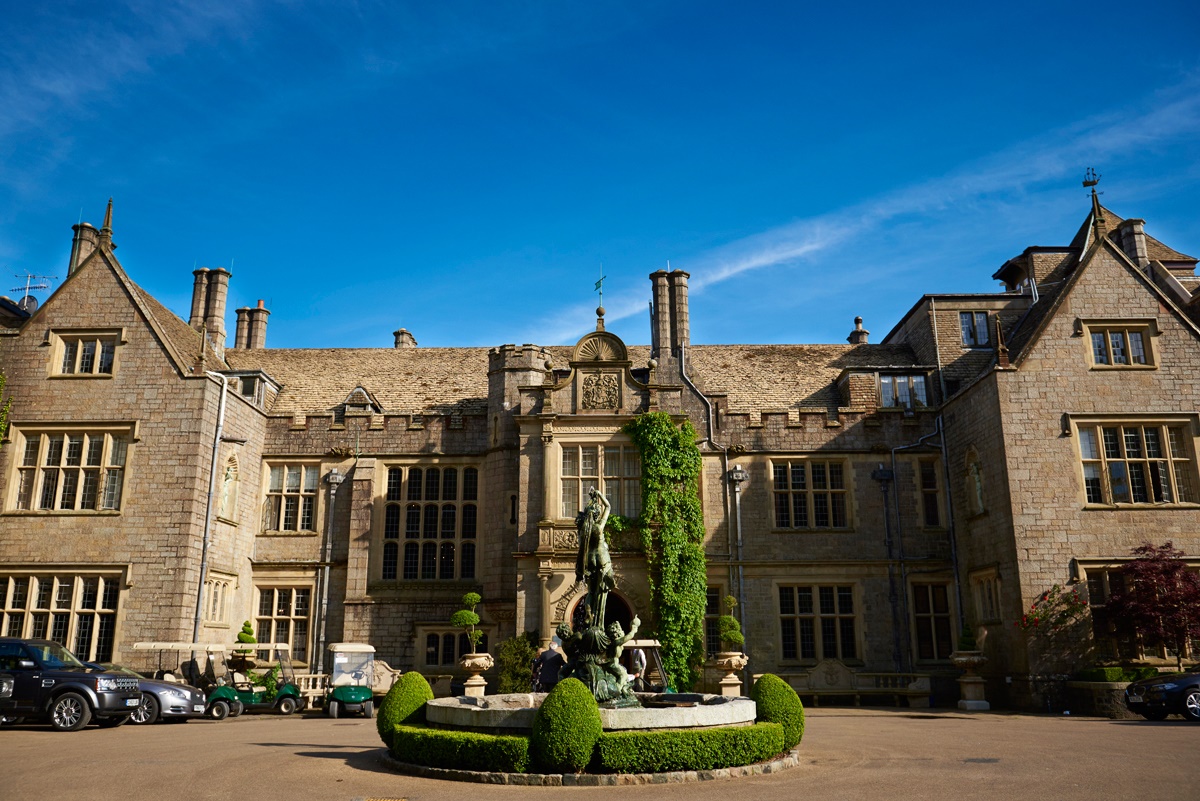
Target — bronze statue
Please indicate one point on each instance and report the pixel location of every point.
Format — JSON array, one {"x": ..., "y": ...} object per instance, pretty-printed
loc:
[{"x": 593, "y": 564}]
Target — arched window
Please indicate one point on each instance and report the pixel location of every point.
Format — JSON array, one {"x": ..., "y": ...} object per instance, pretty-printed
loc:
[
  {"x": 446, "y": 561},
  {"x": 412, "y": 522},
  {"x": 414, "y": 484},
  {"x": 431, "y": 650},
  {"x": 391, "y": 522},
  {"x": 412, "y": 558},
  {"x": 429, "y": 560},
  {"x": 447, "y": 649},
  {"x": 466, "y": 568},
  {"x": 449, "y": 484},
  {"x": 391, "y": 551},
  {"x": 432, "y": 476},
  {"x": 449, "y": 520},
  {"x": 430, "y": 529}
]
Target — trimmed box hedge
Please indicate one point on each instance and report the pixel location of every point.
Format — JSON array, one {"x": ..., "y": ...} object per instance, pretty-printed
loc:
[
  {"x": 1116, "y": 674},
  {"x": 686, "y": 749},
  {"x": 404, "y": 703},
  {"x": 461, "y": 750},
  {"x": 565, "y": 728},
  {"x": 778, "y": 703}
]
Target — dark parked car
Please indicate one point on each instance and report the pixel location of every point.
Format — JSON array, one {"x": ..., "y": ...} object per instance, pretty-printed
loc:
[
  {"x": 1169, "y": 694},
  {"x": 49, "y": 683},
  {"x": 161, "y": 700}
]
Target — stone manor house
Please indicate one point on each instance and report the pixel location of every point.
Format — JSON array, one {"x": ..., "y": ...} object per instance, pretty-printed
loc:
[{"x": 159, "y": 481}]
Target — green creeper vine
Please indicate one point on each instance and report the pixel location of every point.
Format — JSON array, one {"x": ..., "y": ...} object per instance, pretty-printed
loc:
[{"x": 672, "y": 528}]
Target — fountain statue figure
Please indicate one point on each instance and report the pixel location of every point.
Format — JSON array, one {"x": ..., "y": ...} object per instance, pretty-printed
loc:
[{"x": 594, "y": 651}]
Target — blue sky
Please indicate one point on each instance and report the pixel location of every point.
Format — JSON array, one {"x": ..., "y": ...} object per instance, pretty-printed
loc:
[{"x": 463, "y": 169}]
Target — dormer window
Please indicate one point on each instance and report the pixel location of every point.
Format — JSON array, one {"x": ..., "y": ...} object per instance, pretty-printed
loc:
[
  {"x": 974, "y": 329},
  {"x": 903, "y": 391}
]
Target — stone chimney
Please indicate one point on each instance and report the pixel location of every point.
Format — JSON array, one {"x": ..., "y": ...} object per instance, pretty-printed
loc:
[
  {"x": 241, "y": 334},
  {"x": 680, "y": 325},
  {"x": 859, "y": 335},
  {"x": 199, "y": 299},
  {"x": 1131, "y": 235},
  {"x": 256, "y": 327},
  {"x": 214, "y": 308},
  {"x": 660, "y": 315},
  {"x": 84, "y": 243},
  {"x": 404, "y": 339}
]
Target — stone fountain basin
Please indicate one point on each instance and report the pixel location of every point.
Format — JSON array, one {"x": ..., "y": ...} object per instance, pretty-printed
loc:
[{"x": 515, "y": 712}]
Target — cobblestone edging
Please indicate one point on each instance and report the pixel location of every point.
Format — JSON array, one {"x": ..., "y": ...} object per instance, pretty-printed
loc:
[{"x": 789, "y": 760}]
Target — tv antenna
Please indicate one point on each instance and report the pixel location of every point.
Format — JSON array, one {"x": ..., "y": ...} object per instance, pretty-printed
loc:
[{"x": 28, "y": 302}]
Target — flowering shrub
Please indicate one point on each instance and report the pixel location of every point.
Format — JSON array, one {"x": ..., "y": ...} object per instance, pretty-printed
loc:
[{"x": 1053, "y": 611}]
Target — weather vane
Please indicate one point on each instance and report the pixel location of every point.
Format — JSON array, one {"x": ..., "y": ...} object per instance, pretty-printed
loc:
[
  {"x": 1091, "y": 177},
  {"x": 600, "y": 284}
]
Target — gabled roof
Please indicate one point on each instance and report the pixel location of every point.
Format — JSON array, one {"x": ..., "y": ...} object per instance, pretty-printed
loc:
[
  {"x": 1155, "y": 250},
  {"x": 179, "y": 340},
  {"x": 1030, "y": 327}
]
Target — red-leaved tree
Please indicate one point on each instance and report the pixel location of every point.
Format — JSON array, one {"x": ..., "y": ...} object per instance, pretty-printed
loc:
[{"x": 1161, "y": 600}]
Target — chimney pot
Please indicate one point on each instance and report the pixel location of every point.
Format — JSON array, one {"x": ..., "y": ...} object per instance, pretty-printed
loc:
[
  {"x": 859, "y": 335},
  {"x": 404, "y": 339}
]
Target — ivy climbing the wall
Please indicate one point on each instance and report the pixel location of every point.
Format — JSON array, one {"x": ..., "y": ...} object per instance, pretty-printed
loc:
[{"x": 672, "y": 528}]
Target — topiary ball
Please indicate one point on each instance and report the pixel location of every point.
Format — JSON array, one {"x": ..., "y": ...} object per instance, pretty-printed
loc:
[
  {"x": 778, "y": 703},
  {"x": 566, "y": 728},
  {"x": 404, "y": 703}
]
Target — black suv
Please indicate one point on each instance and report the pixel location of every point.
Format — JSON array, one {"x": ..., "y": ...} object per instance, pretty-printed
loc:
[{"x": 40, "y": 679}]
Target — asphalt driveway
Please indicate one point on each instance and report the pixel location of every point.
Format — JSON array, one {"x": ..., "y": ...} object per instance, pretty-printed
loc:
[{"x": 846, "y": 754}]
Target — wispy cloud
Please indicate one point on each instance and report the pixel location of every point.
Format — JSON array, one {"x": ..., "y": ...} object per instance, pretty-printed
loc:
[{"x": 1171, "y": 116}]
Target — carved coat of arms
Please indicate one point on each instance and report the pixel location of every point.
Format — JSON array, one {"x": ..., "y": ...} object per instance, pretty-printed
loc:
[{"x": 600, "y": 391}]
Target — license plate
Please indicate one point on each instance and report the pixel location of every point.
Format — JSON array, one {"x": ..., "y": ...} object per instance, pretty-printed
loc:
[
  {"x": 132, "y": 701},
  {"x": 197, "y": 707},
  {"x": 1135, "y": 699}
]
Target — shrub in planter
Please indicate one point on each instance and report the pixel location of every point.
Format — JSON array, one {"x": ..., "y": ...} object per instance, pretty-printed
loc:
[
  {"x": 728, "y": 628},
  {"x": 461, "y": 750},
  {"x": 682, "y": 749},
  {"x": 778, "y": 703},
  {"x": 1101, "y": 674},
  {"x": 404, "y": 703},
  {"x": 566, "y": 728}
]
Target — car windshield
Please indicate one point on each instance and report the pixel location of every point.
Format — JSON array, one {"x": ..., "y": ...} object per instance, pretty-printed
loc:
[{"x": 53, "y": 655}]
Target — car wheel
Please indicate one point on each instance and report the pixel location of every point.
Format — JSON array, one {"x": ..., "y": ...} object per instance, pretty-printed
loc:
[
  {"x": 1191, "y": 704},
  {"x": 147, "y": 711},
  {"x": 219, "y": 710},
  {"x": 332, "y": 708},
  {"x": 236, "y": 707},
  {"x": 286, "y": 706},
  {"x": 369, "y": 709},
  {"x": 1157, "y": 714},
  {"x": 113, "y": 722},
  {"x": 70, "y": 712}
]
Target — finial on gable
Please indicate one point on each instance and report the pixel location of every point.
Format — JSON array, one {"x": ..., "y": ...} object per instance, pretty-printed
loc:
[{"x": 859, "y": 335}]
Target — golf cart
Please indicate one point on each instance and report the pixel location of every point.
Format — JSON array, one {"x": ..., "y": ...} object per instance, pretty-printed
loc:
[
  {"x": 351, "y": 680},
  {"x": 191, "y": 663},
  {"x": 229, "y": 684},
  {"x": 271, "y": 689}
]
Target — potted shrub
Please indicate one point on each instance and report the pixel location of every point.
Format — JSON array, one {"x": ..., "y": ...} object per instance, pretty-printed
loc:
[
  {"x": 730, "y": 659},
  {"x": 473, "y": 663}
]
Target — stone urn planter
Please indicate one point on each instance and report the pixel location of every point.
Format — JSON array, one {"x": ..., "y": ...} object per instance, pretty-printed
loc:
[
  {"x": 731, "y": 663},
  {"x": 475, "y": 664},
  {"x": 971, "y": 684}
]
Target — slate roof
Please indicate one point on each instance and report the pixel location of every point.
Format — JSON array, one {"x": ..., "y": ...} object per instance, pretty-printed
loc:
[{"x": 454, "y": 380}]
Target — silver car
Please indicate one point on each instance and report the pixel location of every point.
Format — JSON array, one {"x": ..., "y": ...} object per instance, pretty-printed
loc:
[{"x": 162, "y": 700}]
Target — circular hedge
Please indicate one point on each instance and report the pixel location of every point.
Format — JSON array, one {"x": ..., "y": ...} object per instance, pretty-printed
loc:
[
  {"x": 404, "y": 703},
  {"x": 566, "y": 728},
  {"x": 778, "y": 703}
]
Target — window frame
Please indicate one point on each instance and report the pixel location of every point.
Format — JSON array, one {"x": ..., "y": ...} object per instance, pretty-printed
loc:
[
  {"x": 628, "y": 500},
  {"x": 943, "y": 641},
  {"x": 274, "y": 586},
  {"x": 401, "y": 533},
  {"x": 817, "y": 616},
  {"x": 457, "y": 637},
  {"x": 27, "y": 489},
  {"x": 846, "y": 492},
  {"x": 974, "y": 316},
  {"x": 927, "y": 493},
  {"x": 1146, "y": 327},
  {"x": 72, "y": 610},
  {"x": 985, "y": 592},
  {"x": 63, "y": 340},
  {"x": 1095, "y": 460},
  {"x": 278, "y": 516},
  {"x": 903, "y": 390}
]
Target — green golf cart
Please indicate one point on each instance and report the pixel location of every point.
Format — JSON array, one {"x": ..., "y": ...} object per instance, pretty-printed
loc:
[
  {"x": 351, "y": 680},
  {"x": 272, "y": 688}
]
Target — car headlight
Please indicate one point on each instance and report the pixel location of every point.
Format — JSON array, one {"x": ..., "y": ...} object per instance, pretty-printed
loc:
[
  {"x": 174, "y": 693},
  {"x": 1170, "y": 685},
  {"x": 106, "y": 685}
]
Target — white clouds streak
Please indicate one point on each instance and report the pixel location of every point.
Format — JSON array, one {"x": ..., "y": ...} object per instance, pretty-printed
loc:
[{"x": 992, "y": 180}]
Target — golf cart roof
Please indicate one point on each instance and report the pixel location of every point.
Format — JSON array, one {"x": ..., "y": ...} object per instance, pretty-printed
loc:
[
  {"x": 353, "y": 647},
  {"x": 643, "y": 644},
  {"x": 180, "y": 646}
]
